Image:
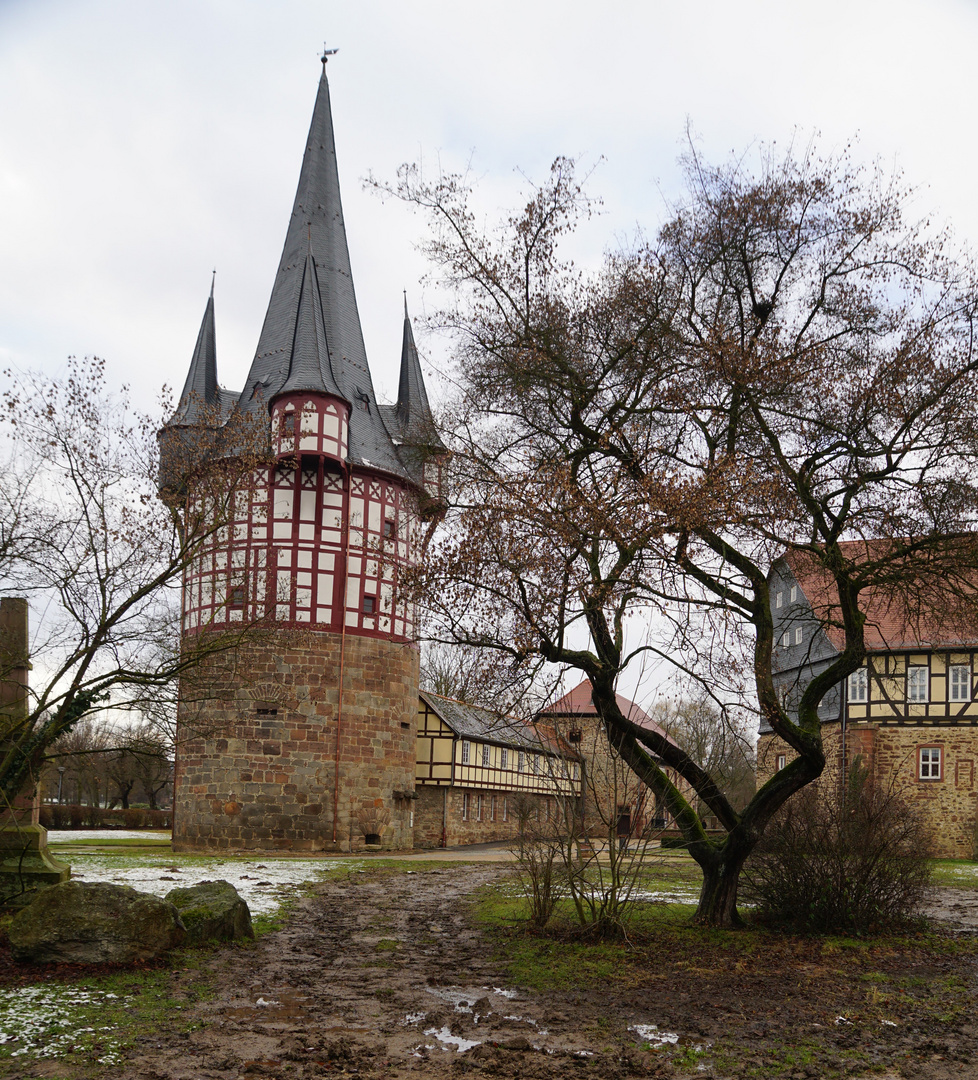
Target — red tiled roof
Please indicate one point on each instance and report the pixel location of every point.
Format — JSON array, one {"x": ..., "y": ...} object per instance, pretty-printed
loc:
[
  {"x": 918, "y": 614},
  {"x": 577, "y": 702}
]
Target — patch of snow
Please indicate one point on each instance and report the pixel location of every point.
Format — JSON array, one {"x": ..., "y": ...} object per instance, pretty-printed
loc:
[
  {"x": 505, "y": 993},
  {"x": 843, "y": 1020},
  {"x": 39, "y": 1021},
  {"x": 262, "y": 885},
  {"x": 445, "y": 1036},
  {"x": 413, "y": 1018},
  {"x": 651, "y": 1034},
  {"x": 85, "y": 836},
  {"x": 262, "y": 1003},
  {"x": 888, "y": 1023}
]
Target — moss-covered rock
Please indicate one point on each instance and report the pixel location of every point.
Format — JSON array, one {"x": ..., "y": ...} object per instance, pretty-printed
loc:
[
  {"x": 93, "y": 923},
  {"x": 212, "y": 910}
]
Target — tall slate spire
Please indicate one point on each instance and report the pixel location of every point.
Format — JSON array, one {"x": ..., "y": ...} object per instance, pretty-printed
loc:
[
  {"x": 200, "y": 392},
  {"x": 414, "y": 422},
  {"x": 316, "y": 230}
]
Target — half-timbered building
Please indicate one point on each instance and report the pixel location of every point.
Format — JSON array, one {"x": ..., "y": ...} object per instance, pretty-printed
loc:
[
  {"x": 481, "y": 775},
  {"x": 909, "y": 714},
  {"x": 313, "y": 746}
]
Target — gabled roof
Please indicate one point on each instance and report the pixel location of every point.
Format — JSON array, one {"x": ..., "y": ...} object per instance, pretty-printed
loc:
[
  {"x": 472, "y": 722},
  {"x": 915, "y": 615},
  {"x": 577, "y": 702}
]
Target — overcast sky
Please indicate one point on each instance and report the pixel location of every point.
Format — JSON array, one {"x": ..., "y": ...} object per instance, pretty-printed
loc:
[{"x": 144, "y": 143}]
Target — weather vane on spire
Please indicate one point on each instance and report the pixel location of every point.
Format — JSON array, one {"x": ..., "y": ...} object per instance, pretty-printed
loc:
[{"x": 327, "y": 53}]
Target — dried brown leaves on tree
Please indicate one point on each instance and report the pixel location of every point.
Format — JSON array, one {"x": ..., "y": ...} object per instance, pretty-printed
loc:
[
  {"x": 100, "y": 556},
  {"x": 789, "y": 365}
]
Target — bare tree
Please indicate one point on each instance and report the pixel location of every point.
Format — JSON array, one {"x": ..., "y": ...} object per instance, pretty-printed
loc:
[
  {"x": 100, "y": 556},
  {"x": 789, "y": 366}
]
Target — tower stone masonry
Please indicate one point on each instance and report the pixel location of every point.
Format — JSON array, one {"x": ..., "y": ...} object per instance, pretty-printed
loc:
[{"x": 310, "y": 743}]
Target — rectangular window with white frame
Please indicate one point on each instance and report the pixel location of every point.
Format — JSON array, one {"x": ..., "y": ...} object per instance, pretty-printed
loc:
[
  {"x": 504, "y": 758},
  {"x": 799, "y": 634},
  {"x": 918, "y": 684},
  {"x": 794, "y": 593},
  {"x": 959, "y": 682},
  {"x": 859, "y": 686},
  {"x": 930, "y": 763},
  {"x": 778, "y": 598},
  {"x": 520, "y": 761},
  {"x": 505, "y": 810},
  {"x": 785, "y": 639},
  {"x": 486, "y": 756},
  {"x": 465, "y": 806},
  {"x": 782, "y": 761},
  {"x": 466, "y": 752},
  {"x": 478, "y": 808}
]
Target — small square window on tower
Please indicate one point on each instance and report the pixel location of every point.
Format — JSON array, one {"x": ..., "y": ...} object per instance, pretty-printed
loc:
[
  {"x": 369, "y": 604},
  {"x": 574, "y": 736}
]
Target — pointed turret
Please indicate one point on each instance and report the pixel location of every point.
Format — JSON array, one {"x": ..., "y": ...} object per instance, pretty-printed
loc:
[
  {"x": 414, "y": 421},
  {"x": 309, "y": 363},
  {"x": 317, "y": 230},
  {"x": 201, "y": 395}
]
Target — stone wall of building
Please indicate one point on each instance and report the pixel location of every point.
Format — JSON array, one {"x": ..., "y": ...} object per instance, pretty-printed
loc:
[
  {"x": 436, "y": 825},
  {"x": 890, "y": 752},
  {"x": 256, "y": 769}
]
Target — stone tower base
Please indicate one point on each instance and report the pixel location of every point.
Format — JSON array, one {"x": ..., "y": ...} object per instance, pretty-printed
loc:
[{"x": 257, "y": 768}]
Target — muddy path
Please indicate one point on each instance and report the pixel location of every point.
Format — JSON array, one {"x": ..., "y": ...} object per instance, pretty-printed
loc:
[
  {"x": 385, "y": 975},
  {"x": 378, "y": 976}
]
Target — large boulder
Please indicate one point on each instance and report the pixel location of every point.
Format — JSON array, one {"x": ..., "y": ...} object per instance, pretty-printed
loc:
[
  {"x": 91, "y": 923},
  {"x": 212, "y": 909}
]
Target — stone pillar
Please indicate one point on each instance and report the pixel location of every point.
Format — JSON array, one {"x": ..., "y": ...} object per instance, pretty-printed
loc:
[
  {"x": 14, "y": 669},
  {"x": 25, "y": 865}
]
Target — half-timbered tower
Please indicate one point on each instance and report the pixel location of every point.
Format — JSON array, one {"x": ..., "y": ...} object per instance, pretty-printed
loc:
[
  {"x": 312, "y": 746},
  {"x": 908, "y": 716}
]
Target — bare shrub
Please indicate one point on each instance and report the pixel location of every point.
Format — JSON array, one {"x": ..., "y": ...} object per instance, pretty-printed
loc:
[
  {"x": 855, "y": 859},
  {"x": 540, "y": 860},
  {"x": 134, "y": 819}
]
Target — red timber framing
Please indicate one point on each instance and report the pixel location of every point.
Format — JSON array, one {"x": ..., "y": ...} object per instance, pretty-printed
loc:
[{"x": 287, "y": 556}]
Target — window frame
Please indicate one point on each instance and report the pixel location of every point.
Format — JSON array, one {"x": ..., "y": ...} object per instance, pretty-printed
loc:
[
  {"x": 466, "y": 752},
  {"x": 967, "y": 688},
  {"x": 486, "y": 756},
  {"x": 503, "y": 758},
  {"x": 465, "y": 806},
  {"x": 857, "y": 688},
  {"x": 781, "y": 761},
  {"x": 918, "y": 674},
  {"x": 931, "y": 759}
]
